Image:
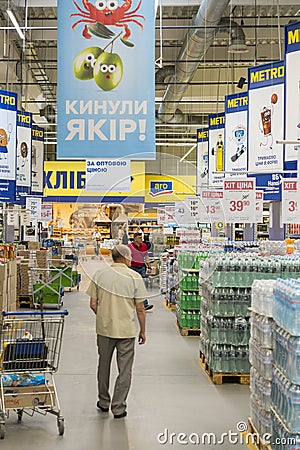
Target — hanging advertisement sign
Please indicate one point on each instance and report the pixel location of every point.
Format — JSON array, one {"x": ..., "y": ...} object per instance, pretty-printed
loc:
[
  {"x": 107, "y": 175},
  {"x": 24, "y": 156},
  {"x": 292, "y": 93},
  {"x": 64, "y": 181},
  {"x": 266, "y": 117},
  {"x": 259, "y": 207},
  {"x": 239, "y": 200},
  {"x": 207, "y": 207},
  {"x": 106, "y": 105},
  {"x": 290, "y": 202},
  {"x": 46, "y": 213},
  {"x": 34, "y": 206},
  {"x": 270, "y": 184},
  {"x": 236, "y": 116},
  {"x": 183, "y": 215},
  {"x": 8, "y": 137},
  {"x": 202, "y": 158},
  {"x": 216, "y": 149},
  {"x": 37, "y": 160}
]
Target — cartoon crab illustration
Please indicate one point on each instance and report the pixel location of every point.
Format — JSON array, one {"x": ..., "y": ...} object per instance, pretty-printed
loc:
[{"x": 107, "y": 13}]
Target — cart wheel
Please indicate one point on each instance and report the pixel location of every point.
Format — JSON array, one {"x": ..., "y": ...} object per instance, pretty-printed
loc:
[
  {"x": 2, "y": 430},
  {"x": 60, "y": 425},
  {"x": 77, "y": 287},
  {"x": 20, "y": 414}
]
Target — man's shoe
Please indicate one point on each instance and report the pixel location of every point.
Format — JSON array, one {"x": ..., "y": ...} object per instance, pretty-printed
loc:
[
  {"x": 148, "y": 307},
  {"x": 102, "y": 409},
  {"x": 120, "y": 416}
]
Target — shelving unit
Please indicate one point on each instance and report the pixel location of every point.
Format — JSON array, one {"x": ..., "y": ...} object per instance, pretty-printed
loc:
[
  {"x": 262, "y": 229},
  {"x": 104, "y": 229},
  {"x": 147, "y": 225}
]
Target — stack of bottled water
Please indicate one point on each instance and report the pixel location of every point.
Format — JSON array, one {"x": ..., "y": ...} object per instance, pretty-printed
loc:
[
  {"x": 225, "y": 325},
  {"x": 273, "y": 248},
  {"x": 261, "y": 354},
  {"x": 285, "y": 393}
]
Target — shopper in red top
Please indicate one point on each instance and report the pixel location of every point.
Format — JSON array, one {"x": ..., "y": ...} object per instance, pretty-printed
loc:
[{"x": 140, "y": 259}]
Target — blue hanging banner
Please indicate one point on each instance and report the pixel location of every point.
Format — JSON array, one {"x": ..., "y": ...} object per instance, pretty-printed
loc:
[
  {"x": 216, "y": 153},
  {"x": 8, "y": 136},
  {"x": 106, "y": 84},
  {"x": 37, "y": 179},
  {"x": 236, "y": 113},
  {"x": 292, "y": 95},
  {"x": 24, "y": 156}
]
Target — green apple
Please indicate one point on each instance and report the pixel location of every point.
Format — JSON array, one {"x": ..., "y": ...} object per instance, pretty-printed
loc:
[
  {"x": 84, "y": 63},
  {"x": 108, "y": 71}
]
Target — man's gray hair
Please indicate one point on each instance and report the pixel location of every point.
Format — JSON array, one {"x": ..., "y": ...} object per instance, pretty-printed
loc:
[{"x": 120, "y": 251}]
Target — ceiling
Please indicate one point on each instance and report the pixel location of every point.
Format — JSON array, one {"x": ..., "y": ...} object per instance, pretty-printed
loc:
[{"x": 30, "y": 69}]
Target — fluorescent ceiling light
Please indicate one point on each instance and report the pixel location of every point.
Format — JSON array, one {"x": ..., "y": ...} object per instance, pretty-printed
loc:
[{"x": 15, "y": 24}]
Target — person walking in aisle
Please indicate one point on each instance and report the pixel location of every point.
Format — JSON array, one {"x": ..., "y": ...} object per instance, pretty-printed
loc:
[
  {"x": 116, "y": 292},
  {"x": 97, "y": 241},
  {"x": 140, "y": 259}
]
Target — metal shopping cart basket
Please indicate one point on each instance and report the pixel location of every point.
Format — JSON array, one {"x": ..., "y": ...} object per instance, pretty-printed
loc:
[
  {"x": 30, "y": 351},
  {"x": 70, "y": 278},
  {"x": 80, "y": 247}
]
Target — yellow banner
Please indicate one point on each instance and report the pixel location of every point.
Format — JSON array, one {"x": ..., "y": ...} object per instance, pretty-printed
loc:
[
  {"x": 64, "y": 181},
  {"x": 161, "y": 188}
]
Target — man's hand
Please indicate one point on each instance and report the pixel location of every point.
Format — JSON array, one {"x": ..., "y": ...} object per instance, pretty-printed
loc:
[{"x": 142, "y": 338}]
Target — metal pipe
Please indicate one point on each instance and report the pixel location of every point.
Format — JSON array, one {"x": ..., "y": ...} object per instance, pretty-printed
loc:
[{"x": 195, "y": 47}]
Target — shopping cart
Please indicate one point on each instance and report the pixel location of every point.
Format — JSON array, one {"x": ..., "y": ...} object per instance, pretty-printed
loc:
[
  {"x": 70, "y": 278},
  {"x": 47, "y": 287},
  {"x": 30, "y": 351}
]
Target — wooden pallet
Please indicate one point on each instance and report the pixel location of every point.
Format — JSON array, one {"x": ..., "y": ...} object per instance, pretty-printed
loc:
[
  {"x": 252, "y": 438},
  {"x": 25, "y": 301},
  {"x": 189, "y": 331},
  {"x": 220, "y": 377}
]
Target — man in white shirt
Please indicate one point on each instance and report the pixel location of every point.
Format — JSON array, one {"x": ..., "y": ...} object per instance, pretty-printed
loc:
[{"x": 116, "y": 292}]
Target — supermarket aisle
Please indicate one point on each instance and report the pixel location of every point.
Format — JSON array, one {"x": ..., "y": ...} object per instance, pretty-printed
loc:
[{"x": 169, "y": 392}]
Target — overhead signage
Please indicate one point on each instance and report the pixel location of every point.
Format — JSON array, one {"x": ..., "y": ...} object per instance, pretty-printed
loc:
[
  {"x": 8, "y": 137},
  {"x": 65, "y": 181},
  {"x": 202, "y": 158},
  {"x": 239, "y": 200},
  {"x": 34, "y": 206},
  {"x": 290, "y": 202},
  {"x": 292, "y": 93},
  {"x": 236, "y": 116},
  {"x": 106, "y": 103},
  {"x": 24, "y": 156},
  {"x": 37, "y": 159},
  {"x": 207, "y": 207},
  {"x": 25, "y": 218},
  {"x": 12, "y": 217},
  {"x": 170, "y": 215},
  {"x": 216, "y": 153},
  {"x": 197, "y": 209},
  {"x": 259, "y": 207},
  {"x": 108, "y": 175},
  {"x": 266, "y": 117}
]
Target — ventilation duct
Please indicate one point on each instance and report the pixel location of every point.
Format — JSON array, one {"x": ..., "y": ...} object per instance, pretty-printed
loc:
[{"x": 195, "y": 46}]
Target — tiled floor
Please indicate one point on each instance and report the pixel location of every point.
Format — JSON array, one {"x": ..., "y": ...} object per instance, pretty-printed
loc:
[{"x": 169, "y": 392}]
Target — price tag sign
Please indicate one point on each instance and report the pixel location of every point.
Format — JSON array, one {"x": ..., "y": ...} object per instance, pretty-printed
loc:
[
  {"x": 183, "y": 214},
  {"x": 290, "y": 202},
  {"x": 46, "y": 213},
  {"x": 170, "y": 215},
  {"x": 259, "y": 207},
  {"x": 240, "y": 200},
  {"x": 212, "y": 201},
  {"x": 196, "y": 209},
  {"x": 33, "y": 205},
  {"x": 161, "y": 216},
  {"x": 11, "y": 218}
]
